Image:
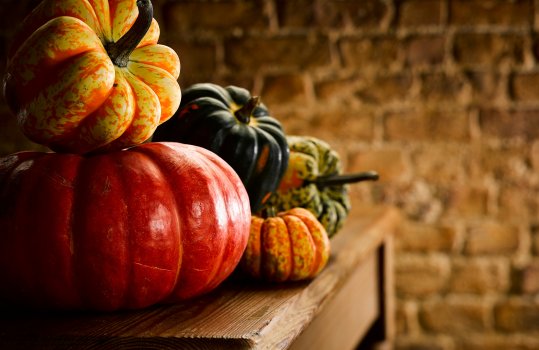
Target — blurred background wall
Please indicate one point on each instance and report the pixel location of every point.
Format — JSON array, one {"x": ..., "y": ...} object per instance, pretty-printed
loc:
[{"x": 441, "y": 97}]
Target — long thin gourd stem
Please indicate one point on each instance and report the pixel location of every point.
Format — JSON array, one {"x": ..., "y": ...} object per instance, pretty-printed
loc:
[{"x": 333, "y": 180}]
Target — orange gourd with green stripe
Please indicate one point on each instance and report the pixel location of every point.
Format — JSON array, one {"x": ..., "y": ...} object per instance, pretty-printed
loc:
[
  {"x": 290, "y": 246},
  {"x": 85, "y": 75}
]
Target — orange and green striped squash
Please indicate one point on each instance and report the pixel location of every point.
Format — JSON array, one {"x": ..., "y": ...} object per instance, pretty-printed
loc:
[
  {"x": 290, "y": 246},
  {"x": 85, "y": 75},
  {"x": 313, "y": 180}
]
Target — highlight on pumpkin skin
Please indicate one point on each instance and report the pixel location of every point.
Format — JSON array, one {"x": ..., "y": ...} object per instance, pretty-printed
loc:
[
  {"x": 116, "y": 42},
  {"x": 289, "y": 246},
  {"x": 156, "y": 223}
]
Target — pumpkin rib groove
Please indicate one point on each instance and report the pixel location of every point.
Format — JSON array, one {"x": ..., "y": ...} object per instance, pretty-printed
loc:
[
  {"x": 72, "y": 236},
  {"x": 52, "y": 227},
  {"x": 100, "y": 266},
  {"x": 300, "y": 236},
  {"x": 153, "y": 172},
  {"x": 165, "y": 57},
  {"x": 20, "y": 199},
  {"x": 236, "y": 147},
  {"x": 265, "y": 157},
  {"x": 214, "y": 277},
  {"x": 198, "y": 168},
  {"x": 221, "y": 273},
  {"x": 86, "y": 129},
  {"x": 201, "y": 91},
  {"x": 166, "y": 171}
]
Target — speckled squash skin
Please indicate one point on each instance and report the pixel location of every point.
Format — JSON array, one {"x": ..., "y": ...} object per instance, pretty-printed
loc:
[
  {"x": 310, "y": 159},
  {"x": 70, "y": 93},
  {"x": 313, "y": 180},
  {"x": 290, "y": 246}
]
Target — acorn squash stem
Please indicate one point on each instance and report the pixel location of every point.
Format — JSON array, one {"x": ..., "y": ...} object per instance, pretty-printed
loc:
[
  {"x": 333, "y": 180},
  {"x": 119, "y": 51},
  {"x": 244, "y": 113}
]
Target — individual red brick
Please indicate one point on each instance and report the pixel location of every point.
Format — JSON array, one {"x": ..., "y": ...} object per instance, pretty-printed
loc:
[
  {"x": 415, "y": 13},
  {"x": 190, "y": 16},
  {"x": 507, "y": 163},
  {"x": 424, "y": 341},
  {"x": 416, "y": 198},
  {"x": 487, "y": 87},
  {"x": 427, "y": 125},
  {"x": 406, "y": 318},
  {"x": 365, "y": 53},
  {"x": 421, "y": 276},
  {"x": 534, "y": 155},
  {"x": 517, "y": 202},
  {"x": 336, "y": 89},
  {"x": 488, "y": 237},
  {"x": 455, "y": 315},
  {"x": 389, "y": 163},
  {"x": 418, "y": 237},
  {"x": 479, "y": 276},
  {"x": 442, "y": 88},
  {"x": 464, "y": 200},
  {"x": 488, "y": 49},
  {"x": 498, "y": 341},
  {"x": 284, "y": 89},
  {"x": 520, "y": 123},
  {"x": 526, "y": 278},
  {"x": 534, "y": 229},
  {"x": 524, "y": 87},
  {"x": 295, "y": 121},
  {"x": 517, "y": 314},
  {"x": 425, "y": 50},
  {"x": 294, "y": 51},
  {"x": 511, "y": 13},
  {"x": 442, "y": 163},
  {"x": 334, "y": 14},
  {"x": 384, "y": 89},
  {"x": 362, "y": 14},
  {"x": 346, "y": 125}
]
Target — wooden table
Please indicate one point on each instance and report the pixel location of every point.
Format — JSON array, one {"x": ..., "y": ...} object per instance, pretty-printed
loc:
[{"x": 349, "y": 303}]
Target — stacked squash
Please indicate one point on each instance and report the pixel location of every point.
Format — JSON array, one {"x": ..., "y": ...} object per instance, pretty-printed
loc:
[
  {"x": 107, "y": 223},
  {"x": 119, "y": 224},
  {"x": 298, "y": 197}
]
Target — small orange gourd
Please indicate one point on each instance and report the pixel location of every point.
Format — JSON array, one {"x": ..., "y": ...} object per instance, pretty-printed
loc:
[{"x": 290, "y": 246}]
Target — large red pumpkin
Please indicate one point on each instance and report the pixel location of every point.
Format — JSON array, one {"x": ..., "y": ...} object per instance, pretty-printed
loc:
[{"x": 155, "y": 223}]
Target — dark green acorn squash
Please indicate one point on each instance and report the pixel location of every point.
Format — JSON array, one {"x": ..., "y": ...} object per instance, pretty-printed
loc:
[{"x": 236, "y": 126}]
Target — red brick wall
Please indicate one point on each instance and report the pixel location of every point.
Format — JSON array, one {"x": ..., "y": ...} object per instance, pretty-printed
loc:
[{"x": 440, "y": 96}]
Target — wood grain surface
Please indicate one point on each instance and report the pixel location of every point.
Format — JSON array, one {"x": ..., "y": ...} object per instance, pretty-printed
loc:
[{"x": 240, "y": 314}]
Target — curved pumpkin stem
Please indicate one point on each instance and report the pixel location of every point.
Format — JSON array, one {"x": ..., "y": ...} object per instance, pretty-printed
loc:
[
  {"x": 119, "y": 51},
  {"x": 244, "y": 113},
  {"x": 334, "y": 180}
]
